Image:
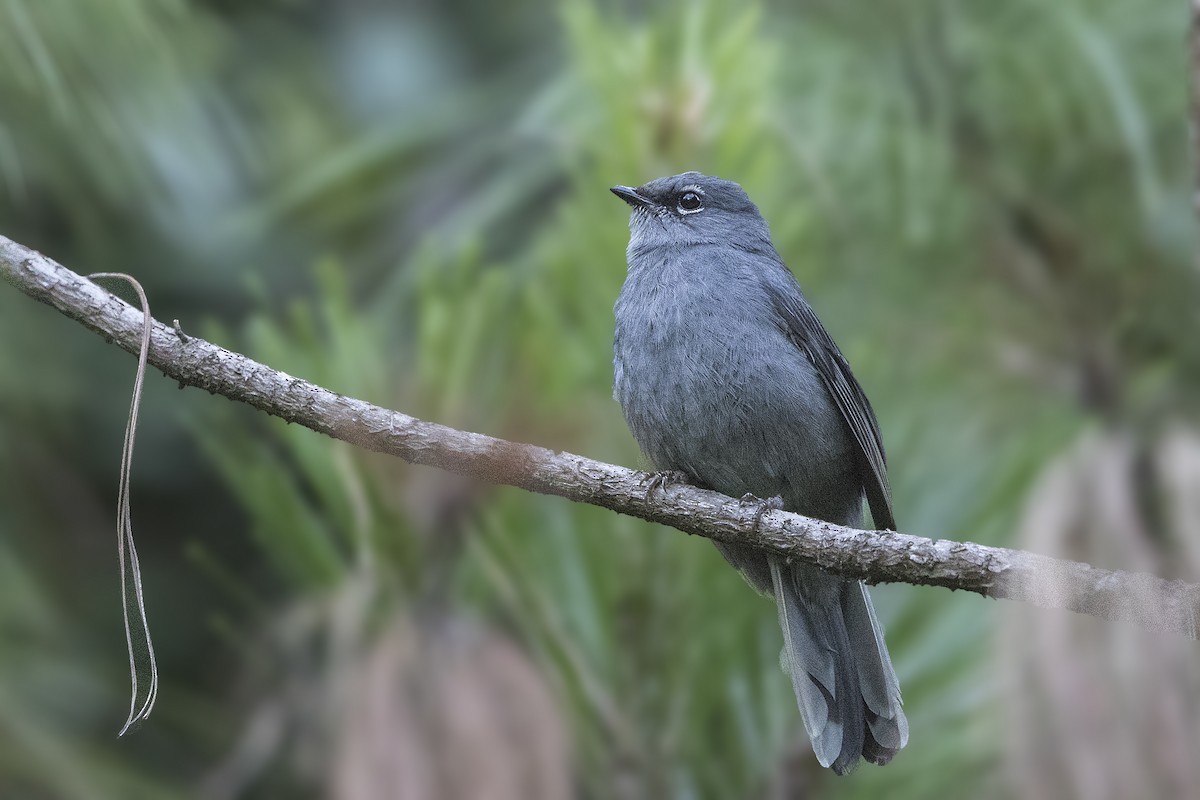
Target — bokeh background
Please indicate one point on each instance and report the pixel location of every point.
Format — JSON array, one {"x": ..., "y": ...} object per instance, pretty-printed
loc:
[{"x": 990, "y": 205}]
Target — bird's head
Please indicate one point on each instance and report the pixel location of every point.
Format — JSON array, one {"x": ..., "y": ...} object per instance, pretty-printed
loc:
[{"x": 692, "y": 208}]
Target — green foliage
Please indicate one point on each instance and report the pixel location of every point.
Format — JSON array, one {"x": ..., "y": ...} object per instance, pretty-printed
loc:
[{"x": 983, "y": 201}]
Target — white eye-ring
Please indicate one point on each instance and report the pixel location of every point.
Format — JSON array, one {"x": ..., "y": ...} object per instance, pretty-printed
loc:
[{"x": 691, "y": 200}]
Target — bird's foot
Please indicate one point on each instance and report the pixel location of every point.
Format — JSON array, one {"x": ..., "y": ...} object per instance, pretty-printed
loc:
[
  {"x": 662, "y": 480},
  {"x": 763, "y": 506}
]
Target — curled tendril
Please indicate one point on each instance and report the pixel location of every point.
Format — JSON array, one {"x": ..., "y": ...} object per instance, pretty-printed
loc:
[{"x": 131, "y": 569}]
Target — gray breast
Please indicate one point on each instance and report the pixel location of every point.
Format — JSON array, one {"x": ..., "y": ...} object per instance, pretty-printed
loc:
[{"x": 711, "y": 386}]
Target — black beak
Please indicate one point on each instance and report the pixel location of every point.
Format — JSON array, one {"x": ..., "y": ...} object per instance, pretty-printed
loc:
[{"x": 630, "y": 195}]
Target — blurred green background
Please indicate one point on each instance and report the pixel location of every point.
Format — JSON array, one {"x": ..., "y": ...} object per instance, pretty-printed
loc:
[{"x": 990, "y": 205}]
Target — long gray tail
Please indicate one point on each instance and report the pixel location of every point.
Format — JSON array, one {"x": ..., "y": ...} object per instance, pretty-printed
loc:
[{"x": 843, "y": 678}]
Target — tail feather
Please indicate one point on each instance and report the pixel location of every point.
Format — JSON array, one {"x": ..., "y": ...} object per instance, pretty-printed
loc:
[
  {"x": 877, "y": 677},
  {"x": 843, "y": 678},
  {"x": 813, "y": 679}
]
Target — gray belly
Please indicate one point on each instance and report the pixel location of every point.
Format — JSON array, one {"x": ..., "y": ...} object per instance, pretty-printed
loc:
[{"x": 746, "y": 415}]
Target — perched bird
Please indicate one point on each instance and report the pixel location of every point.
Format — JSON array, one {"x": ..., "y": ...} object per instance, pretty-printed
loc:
[{"x": 724, "y": 374}]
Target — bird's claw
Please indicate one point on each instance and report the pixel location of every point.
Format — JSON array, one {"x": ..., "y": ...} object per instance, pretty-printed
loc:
[
  {"x": 662, "y": 480},
  {"x": 769, "y": 504}
]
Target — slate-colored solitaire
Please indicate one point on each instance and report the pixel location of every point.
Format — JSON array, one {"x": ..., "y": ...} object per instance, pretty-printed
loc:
[{"x": 724, "y": 373}]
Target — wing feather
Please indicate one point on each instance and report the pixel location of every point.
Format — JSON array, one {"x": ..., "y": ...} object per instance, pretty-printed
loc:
[{"x": 806, "y": 331}]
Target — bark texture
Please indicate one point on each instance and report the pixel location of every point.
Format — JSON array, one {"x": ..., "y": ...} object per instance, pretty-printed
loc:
[{"x": 874, "y": 556}]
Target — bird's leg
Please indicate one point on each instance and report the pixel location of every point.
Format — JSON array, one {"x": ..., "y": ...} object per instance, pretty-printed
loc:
[
  {"x": 662, "y": 480},
  {"x": 770, "y": 504}
]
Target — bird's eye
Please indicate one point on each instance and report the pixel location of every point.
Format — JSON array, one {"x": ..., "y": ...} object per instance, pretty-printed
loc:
[{"x": 690, "y": 202}]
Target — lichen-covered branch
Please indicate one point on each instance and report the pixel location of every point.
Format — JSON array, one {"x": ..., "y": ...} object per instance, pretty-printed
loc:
[{"x": 874, "y": 556}]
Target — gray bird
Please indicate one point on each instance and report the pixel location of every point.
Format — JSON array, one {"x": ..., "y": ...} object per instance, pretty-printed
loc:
[{"x": 724, "y": 373}]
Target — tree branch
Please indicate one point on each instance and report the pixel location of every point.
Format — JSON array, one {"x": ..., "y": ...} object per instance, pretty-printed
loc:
[{"x": 874, "y": 556}]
